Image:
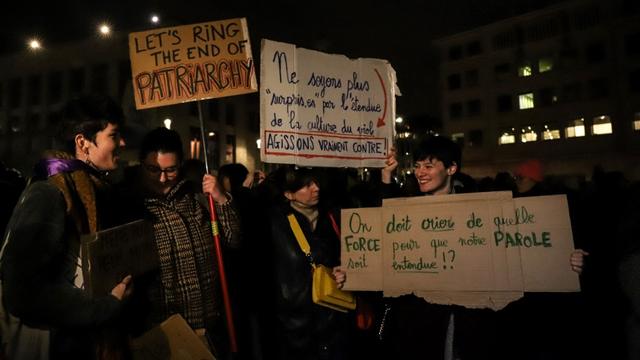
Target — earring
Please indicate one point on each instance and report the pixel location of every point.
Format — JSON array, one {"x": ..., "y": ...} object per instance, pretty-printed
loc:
[{"x": 87, "y": 160}]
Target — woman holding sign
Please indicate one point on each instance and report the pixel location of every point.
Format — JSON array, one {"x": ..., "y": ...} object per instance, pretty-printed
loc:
[
  {"x": 187, "y": 282},
  {"x": 48, "y": 313},
  {"x": 304, "y": 330},
  {"x": 415, "y": 328}
]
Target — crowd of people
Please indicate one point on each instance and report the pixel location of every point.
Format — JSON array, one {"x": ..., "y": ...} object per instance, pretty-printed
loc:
[{"x": 46, "y": 312}]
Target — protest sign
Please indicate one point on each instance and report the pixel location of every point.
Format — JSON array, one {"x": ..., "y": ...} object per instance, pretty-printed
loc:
[
  {"x": 171, "y": 340},
  {"x": 320, "y": 109},
  {"x": 481, "y": 249},
  {"x": 110, "y": 255},
  {"x": 191, "y": 62}
]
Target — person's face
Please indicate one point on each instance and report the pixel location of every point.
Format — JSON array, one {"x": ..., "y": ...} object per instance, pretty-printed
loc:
[
  {"x": 433, "y": 177},
  {"x": 161, "y": 171},
  {"x": 103, "y": 154},
  {"x": 524, "y": 183},
  {"x": 308, "y": 195}
]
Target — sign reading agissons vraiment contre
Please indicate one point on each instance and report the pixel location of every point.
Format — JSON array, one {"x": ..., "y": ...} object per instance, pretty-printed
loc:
[{"x": 319, "y": 109}]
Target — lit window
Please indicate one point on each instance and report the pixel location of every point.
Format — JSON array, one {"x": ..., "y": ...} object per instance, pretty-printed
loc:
[
  {"x": 636, "y": 122},
  {"x": 525, "y": 101},
  {"x": 545, "y": 64},
  {"x": 550, "y": 133},
  {"x": 575, "y": 128},
  {"x": 458, "y": 138},
  {"x": 601, "y": 125},
  {"x": 507, "y": 137},
  {"x": 528, "y": 135},
  {"x": 525, "y": 70}
]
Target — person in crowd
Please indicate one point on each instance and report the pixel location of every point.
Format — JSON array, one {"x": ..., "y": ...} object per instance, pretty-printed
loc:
[
  {"x": 629, "y": 268},
  {"x": 303, "y": 329},
  {"x": 249, "y": 309},
  {"x": 12, "y": 183},
  {"x": 188, "y": 278},
  {"x": 528, "y": 177},
  {"x": 48, "y": 314},
  {"x": 413, "y": 327},
  {"x": 452, "y": 331}
]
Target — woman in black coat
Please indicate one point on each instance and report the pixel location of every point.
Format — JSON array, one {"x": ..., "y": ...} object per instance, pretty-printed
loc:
[{"x": 304, "y": 330}]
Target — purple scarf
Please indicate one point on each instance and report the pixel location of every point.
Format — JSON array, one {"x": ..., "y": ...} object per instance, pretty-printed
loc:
[{"x": 49, "y": 167}]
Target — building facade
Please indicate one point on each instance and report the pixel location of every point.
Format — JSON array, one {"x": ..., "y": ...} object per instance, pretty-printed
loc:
[
  {"x": 35, "y": 85},
  {"x": 560, "y": 84}
]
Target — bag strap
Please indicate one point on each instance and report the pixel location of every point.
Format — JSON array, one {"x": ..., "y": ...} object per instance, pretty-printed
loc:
[{"x": 302, "y": 240}]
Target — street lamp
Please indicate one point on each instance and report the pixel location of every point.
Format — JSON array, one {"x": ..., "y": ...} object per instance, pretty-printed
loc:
[
  {"x": 104, "y": 29},
  {"x": 34, "y": 44},
  {"x": 155, "y": 19}
]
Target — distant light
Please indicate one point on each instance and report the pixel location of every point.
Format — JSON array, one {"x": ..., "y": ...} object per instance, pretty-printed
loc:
[
  {"x": 258, "y": 142},
  {"x": 34, "y": 44},
  {"x": 212, "y": 134},
  {"x": 399, "y": 120},
  {"x": 105, "y": 29},
  {"x": 167, "y": 123},
  {"x": 155, "y": 19},
  {"x": 408, "y": 172}
]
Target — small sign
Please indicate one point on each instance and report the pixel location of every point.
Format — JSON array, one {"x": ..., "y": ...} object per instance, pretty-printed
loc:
[{"x": 110, "y": 255}]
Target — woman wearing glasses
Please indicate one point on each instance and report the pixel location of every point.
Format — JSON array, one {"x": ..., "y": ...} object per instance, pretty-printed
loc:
[{"x": 187, "y": 283}]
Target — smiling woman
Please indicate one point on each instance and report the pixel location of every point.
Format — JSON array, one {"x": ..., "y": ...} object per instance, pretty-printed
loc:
[{"x": 66, "y": 199}]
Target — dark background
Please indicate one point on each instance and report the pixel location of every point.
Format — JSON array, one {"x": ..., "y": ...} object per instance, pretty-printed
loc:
[{"x": 398, "y": 31}]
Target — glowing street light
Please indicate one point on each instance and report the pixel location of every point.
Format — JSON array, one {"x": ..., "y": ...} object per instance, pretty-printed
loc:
[
  {"x": 399, "y": 120},
  {"x": 155, "y": 19},
  {"x": 167, "y": 123},
  {"x": 34, "y": 44},
  {"x": 104, "y": 29}
]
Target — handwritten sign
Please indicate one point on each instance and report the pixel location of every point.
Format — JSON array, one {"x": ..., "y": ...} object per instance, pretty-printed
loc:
[
  {"x": 110, "y": 255},
  {"x": 191, "y": 62},
  {"x": 319, "y": 109},
  {"x": 485, "y": 244}
]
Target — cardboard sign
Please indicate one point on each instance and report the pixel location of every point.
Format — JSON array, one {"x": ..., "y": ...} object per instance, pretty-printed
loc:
[
  {"x": 319, "y": 109},
  {"x": 191, "y": 62},
  {"x": 171, "y": 340},
  {"x": 480, "y": 249},
  {"x": 110, "y": 255}
]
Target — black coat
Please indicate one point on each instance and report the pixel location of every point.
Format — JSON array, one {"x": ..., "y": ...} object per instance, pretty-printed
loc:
[{"x": 304, "y": 330}]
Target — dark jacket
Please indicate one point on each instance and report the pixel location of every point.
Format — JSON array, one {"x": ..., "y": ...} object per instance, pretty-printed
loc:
[
  {"x": 41, "y": 278},
  {"x": 305, "y": 330},
  {"x": 415, "y": 328}
]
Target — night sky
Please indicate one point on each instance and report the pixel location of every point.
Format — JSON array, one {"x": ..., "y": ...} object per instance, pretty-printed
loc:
[{"x": 393, "y": 30}]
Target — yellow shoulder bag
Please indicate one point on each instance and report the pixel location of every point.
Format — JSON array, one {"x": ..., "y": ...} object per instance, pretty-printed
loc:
[{"x": 325, "y": 291}]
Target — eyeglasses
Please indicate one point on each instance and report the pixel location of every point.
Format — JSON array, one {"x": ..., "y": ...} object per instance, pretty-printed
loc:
[{"x": 168, "y": 172}]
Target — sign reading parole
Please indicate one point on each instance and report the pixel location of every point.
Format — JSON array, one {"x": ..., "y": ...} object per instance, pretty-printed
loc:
[
  {"x": 191, "y": 62},
  {"x": 457, "y": 245},
  {"x": 320, "y": 109},
  {"x": 110, "y": 255}
]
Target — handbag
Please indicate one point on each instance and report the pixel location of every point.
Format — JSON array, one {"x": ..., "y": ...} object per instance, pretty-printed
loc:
[{"x": 324, "y": 291}]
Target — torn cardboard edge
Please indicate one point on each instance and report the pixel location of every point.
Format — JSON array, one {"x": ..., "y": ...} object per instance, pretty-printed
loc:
[{"x": 529, "y": 270}]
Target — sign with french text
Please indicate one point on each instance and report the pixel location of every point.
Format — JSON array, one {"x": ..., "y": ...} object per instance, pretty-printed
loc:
[
  {"x": 465, "y": 248},
  {"x": 191, "y": 62},
  {"x": 319, "y": 109}
]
